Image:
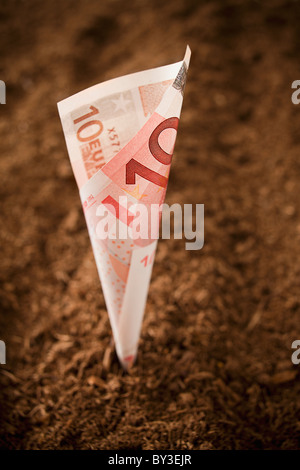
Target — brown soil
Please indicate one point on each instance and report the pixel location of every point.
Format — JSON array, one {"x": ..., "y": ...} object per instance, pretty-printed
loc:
[{"x": 214, "y": 368}]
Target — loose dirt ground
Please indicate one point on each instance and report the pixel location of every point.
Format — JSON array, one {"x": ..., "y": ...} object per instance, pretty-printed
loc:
[{"x": 214, "y": 368}]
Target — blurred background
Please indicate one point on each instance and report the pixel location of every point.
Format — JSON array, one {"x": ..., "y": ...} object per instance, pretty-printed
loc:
[{"x": 214, "y": 368}]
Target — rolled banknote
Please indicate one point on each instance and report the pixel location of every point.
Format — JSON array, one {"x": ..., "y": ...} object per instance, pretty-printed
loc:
[{"x": 120, "y": 136}]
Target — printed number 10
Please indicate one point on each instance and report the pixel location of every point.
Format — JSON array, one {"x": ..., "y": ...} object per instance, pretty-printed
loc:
[
  {"x": 148, "y": 259},
  {"x": 134, "y": 167}
]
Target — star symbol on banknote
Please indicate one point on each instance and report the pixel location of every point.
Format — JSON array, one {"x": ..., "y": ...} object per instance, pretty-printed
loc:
[
  {"x": 121, "y": 103},
  {"x": 136, "y": 193}
]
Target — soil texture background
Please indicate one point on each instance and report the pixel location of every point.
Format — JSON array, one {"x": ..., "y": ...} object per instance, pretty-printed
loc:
[{"x": 214, "y": 366}]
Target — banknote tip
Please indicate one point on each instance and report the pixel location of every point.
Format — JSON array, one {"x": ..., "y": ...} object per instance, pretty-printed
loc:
[
  {"x": 187, "y": 55},
  {"x": 128, "y": 362}
]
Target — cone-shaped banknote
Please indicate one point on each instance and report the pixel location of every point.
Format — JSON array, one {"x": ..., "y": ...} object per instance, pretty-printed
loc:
[{"x": 120, "y": 136}]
